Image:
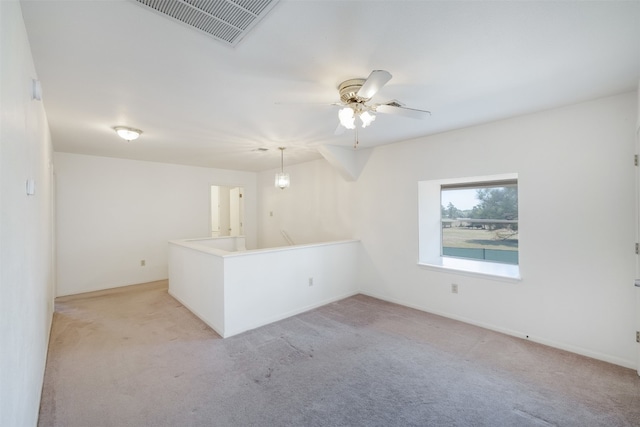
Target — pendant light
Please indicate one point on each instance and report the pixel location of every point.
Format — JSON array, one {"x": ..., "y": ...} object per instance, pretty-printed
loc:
[{"x": 282, "y": 179}]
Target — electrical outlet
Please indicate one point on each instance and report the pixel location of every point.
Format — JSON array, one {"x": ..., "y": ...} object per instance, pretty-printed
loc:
[
  {"x": 143, "y": 263},
  {"x": 310, "y": 281},
  {"x": 454, "y": 288}
]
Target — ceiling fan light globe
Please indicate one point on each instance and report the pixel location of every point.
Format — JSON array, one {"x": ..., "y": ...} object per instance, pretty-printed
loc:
[
  {"x": 367, "y": 118},
  {"x": 347, "y": 118}
]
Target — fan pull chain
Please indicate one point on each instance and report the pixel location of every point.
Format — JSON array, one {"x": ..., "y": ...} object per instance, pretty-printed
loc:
[{"x": 355, "y": 143}]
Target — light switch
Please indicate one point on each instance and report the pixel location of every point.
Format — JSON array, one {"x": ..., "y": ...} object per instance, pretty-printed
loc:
[{"x": 31, "y": 187}]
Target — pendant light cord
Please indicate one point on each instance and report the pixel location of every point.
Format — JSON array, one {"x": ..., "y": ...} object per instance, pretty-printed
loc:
[{"x": 281, "y": 159}]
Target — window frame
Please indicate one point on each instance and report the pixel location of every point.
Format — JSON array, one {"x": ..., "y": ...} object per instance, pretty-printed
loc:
[
  {"x": 476, "y": 185},
  {"x": 430, "y": 230}
]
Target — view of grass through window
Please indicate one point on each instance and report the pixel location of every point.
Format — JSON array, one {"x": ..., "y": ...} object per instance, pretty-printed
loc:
[{"x": 480, "y": 221}]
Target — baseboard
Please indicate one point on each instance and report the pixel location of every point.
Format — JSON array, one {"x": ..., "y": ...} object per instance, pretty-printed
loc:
[
  {"x": 287, "y": 314},
  {"x": 46, "y": 354},
  {"x": 519, "y": 334},
  {"x": 163, "y": 283},
  {"x": 197, "y": 314}
]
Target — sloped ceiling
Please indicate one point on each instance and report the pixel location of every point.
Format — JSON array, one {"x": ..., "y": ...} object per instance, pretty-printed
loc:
[{"x": 200, "y": 102}]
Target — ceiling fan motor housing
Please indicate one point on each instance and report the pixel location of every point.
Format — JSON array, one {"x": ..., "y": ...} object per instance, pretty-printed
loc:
[{"x": 349, "y": 91}]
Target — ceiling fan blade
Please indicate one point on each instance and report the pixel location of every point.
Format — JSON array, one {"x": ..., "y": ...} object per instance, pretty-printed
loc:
[
  {"x": 374, "y": 83},
  {"x": 403, "y": 111},
  {"x": 322, "y": 104}
]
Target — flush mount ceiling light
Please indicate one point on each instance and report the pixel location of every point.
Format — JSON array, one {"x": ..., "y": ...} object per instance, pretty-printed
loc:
[
  {"x": 282, "y": 179},
  {"x": 127, "y": 133}
]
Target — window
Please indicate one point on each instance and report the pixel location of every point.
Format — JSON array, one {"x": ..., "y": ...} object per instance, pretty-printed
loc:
[
  {"x": 480, "y": 221},
  {"x": 470, "y": 225}
]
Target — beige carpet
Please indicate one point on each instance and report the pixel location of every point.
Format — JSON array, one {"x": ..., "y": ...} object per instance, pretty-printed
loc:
[{"x": 136, "y": 357}]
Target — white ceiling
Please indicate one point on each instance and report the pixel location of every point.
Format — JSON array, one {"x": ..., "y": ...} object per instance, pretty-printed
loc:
[{"x": 200, "y": 102}]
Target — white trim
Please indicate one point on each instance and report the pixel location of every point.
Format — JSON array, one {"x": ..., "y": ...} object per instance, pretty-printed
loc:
[
  {"x": 192, "y": 244},
  {"x": 518, "y": 334},
  {"x": 484, "y": 272}
]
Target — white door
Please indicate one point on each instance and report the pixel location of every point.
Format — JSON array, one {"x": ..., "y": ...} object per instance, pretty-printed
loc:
[
  {"x": 638, "y": 321},
  {"x": 215, "y": 211},
  {"x": 241, "y": 213},
  {"x": 637, "y": 282},
  {"x": 234, "y": 212}
]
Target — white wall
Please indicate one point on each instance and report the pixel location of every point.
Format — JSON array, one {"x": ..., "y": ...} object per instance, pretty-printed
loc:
[
  {"x": 316, "y": 208},
  {"x": 113, "y": 213},
  {"x": 266, "y": 286},
  {"x": 26, "y": 231},
  {"x": 577, "y": 227},
  {"x": 196, "y": 279},
  {"x": 239, "y": 291}
]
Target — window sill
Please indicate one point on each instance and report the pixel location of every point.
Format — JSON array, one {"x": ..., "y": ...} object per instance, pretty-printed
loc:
[{"x": 487, "y": 270}]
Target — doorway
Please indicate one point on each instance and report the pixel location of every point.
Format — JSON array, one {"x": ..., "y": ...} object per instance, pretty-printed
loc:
[{"x": 227, "y": 211}]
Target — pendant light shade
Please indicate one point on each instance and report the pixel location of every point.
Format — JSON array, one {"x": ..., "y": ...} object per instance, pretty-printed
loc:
[{"x": 282, "y": 179}]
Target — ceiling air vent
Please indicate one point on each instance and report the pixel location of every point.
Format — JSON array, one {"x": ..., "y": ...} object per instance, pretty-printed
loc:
[{"x": 226, "y": 20}]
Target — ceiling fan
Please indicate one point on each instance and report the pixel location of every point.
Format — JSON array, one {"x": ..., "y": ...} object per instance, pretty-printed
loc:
[{"x": 355, "y": 95}]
